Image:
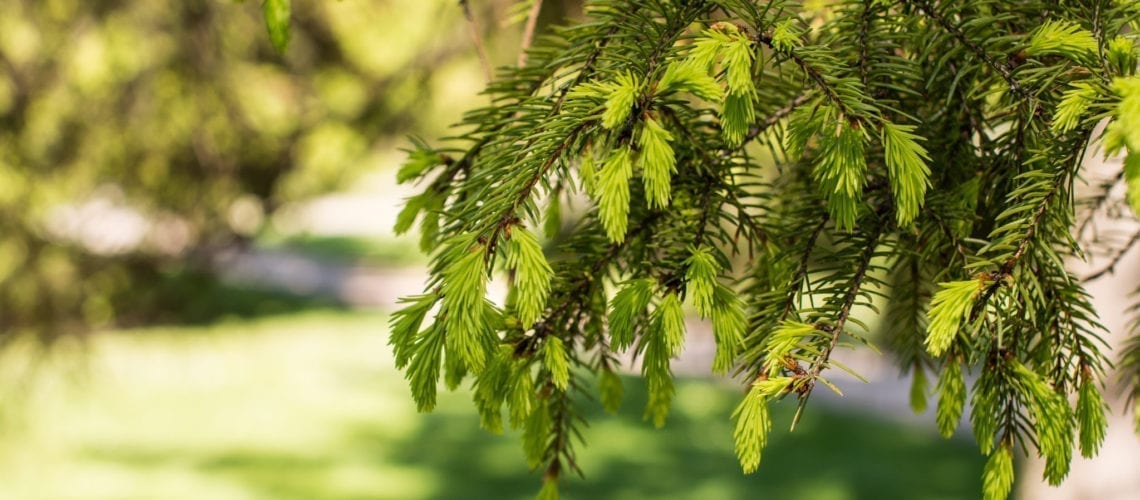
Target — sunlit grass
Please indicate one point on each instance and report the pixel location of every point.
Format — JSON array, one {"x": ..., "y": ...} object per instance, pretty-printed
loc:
[{"x": 308, "y": 406}]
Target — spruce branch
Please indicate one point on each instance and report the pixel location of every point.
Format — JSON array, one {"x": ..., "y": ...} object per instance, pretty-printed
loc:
[
  {"x": 802, "y": 270},
  {"x": 578, "y": 289},
  {"x": 725, "y": 154},
  {"x": 507, "y": 216},
  {"x": 776, "y": 117},
  {"x": 815, "y": 75},
  {"x": 836, "y": 328},
  {"x": 899, "y": 155},
  {"x": 677, "y": 26},
  {"x": 866, "y": 20},
  {"x": 714, "y": 182},
  {"x": 997, "y": 279},
  {"x": 1060, "y": 180},
  {"x": 1003, "y": 69},
  {"x": 454, "y": 168},
  {"x": 941, "y": 222},
  {"x": 790, "y": 293},
  {"x": 561, "y": 446}
]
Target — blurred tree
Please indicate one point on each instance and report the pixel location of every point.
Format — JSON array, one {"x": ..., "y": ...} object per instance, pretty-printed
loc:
[
  {"x": 777, "y": 166},
  {"x": 139, "y": 138}
]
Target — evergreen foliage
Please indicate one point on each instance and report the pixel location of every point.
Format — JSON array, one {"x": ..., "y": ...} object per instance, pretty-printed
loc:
[{"x": 796, "y": 164}]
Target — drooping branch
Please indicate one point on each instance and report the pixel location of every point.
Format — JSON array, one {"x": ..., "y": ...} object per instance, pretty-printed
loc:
[
  {"x": 837, "y": 328},
  {"x": 505, "y": 218},
  {"x": 797, "y": 284},
  {"x": 463, "y": 164},
  {"x": 715, "y": 182},
  {"x": 1003, "y": 69},
  {"x": 680, "y": 124},
  {"x": 814, "y": 74},
  {"x": 997, "y": 279},
  {"x": 776, "y": 117}
]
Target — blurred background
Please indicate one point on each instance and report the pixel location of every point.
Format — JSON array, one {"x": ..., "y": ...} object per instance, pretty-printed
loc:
[{"x": 196, "y": 262}]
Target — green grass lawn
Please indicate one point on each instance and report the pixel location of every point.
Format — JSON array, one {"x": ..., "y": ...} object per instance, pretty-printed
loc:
[{"x": 308, "y": 406}]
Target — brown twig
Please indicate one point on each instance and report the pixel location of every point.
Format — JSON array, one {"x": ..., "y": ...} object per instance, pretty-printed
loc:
[
  {"x": 528, "y": 31},
  {"x": 1097, "y": 201},
  {"x": 724, "y": 155},
  {"x": 813, "y": 73},
  {"x": 476, "y": 38},
  {"x": 776, "y": 116},
  {"x": 1003, "y": 69},
  {"x": 998, "y": 278},
  {"x": 1111, "y": 267},
  {"x": 836, "y": 329}
]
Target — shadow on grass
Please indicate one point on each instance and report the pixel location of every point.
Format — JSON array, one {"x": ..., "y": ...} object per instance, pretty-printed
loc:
[
  {"x": 832, "y": 455},
  {"x": 198, "y": 298}
]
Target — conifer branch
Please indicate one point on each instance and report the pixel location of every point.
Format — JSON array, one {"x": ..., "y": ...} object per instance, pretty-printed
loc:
[
  {"x": 792, "y": 290},
  {"x": 587, "y": 67},
  {"x": 655, "y": 131},
  {"x": 814, "y": 74},
  {"x": 865, "y": 21},
  {"x": 706, "y": 210},
  {"x": 1030, "y": 231},
  {"x": 724, "y": 155},
  {"x": 560, "y": 448},
  {"x": 1098, "y": 33},
  {"x": 1002, "y": 69},
  {"x": 507, "y": 215},
  {"x": 727, "y": 152},
  {"x": 456, "y": 167},
  {"x": 997, "y": 279},
  {"x": 776, "y": 117},
  {"x": 714, "y": 182},
  {"x": 958, "y": 248},
  {"x": 837, "y": 328},
  {"x": 578, "y": 292},
  {"x": 795, "y": 287}
]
